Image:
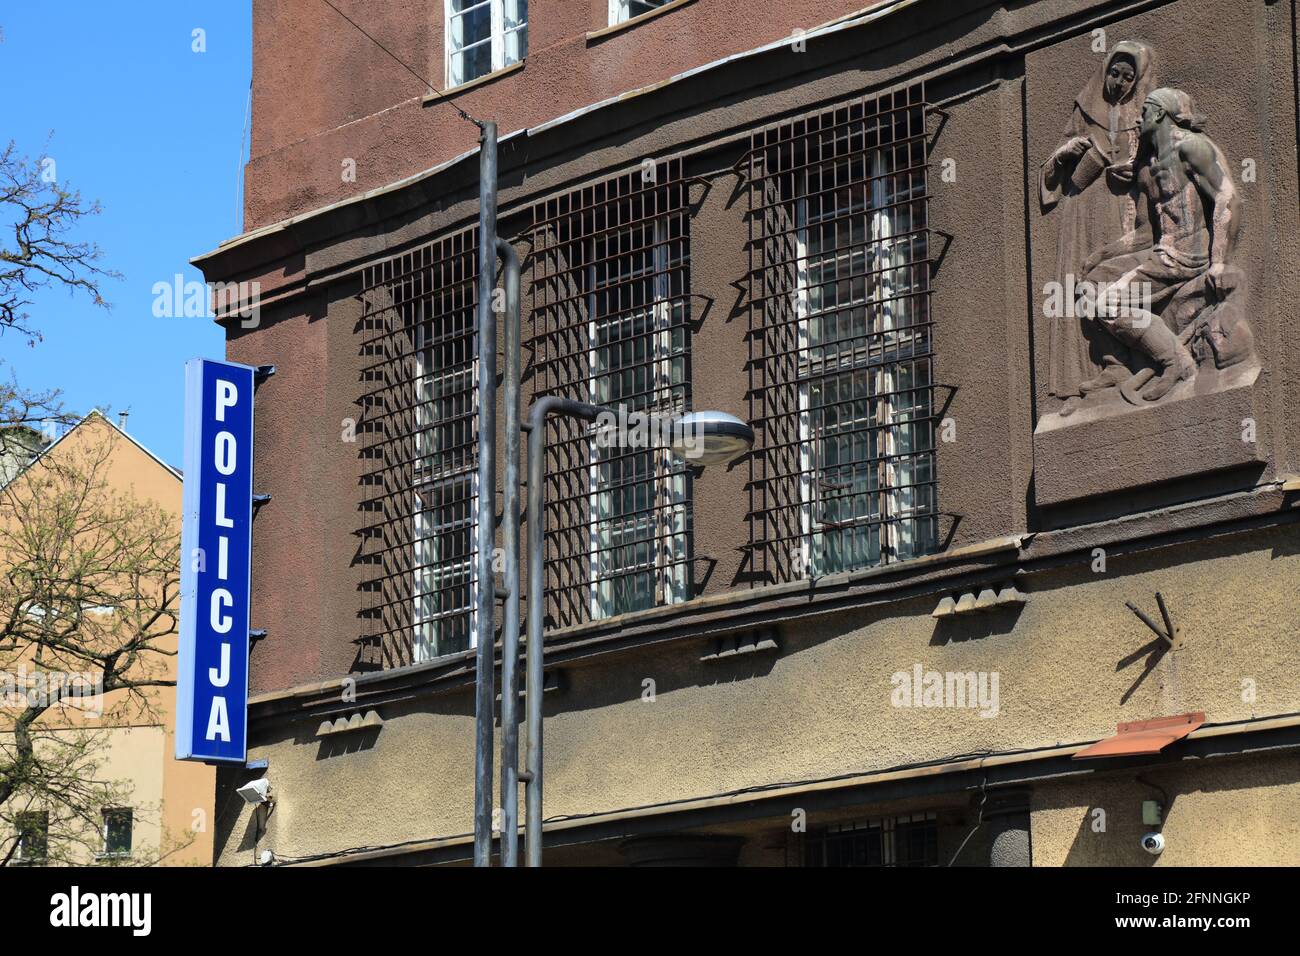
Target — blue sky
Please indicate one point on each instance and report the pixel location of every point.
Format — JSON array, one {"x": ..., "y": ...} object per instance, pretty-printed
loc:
[{"x": 153, "y": 130}]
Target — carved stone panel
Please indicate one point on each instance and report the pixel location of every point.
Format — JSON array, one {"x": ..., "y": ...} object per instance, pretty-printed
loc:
[{"x": 1146, "y": 342}]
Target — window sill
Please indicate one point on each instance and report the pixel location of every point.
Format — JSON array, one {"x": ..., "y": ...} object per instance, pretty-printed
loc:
[
  {"x": 449, "y": 92},
  {"x": 596, "y": 35}
]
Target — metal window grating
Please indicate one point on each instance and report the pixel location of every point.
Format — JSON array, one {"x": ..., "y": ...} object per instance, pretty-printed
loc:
[
  {"x": 841, "y": 357},
  {"x": 419, "y": 429},
  {"x": 911, "y": 840},
  {"x": 611, "y": 309}
]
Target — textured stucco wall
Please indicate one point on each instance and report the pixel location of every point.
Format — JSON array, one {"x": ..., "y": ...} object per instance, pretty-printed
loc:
[
  {"x": 824, "y": 706},
  {"x": 1233, "y": 812}
]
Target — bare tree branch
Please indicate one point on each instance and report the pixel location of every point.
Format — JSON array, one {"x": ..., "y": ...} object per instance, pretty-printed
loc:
[{"x": 39, "y": 217}]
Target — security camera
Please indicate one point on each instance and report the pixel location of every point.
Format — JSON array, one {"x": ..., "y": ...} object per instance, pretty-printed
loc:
[
  {"x": 1153, "y": 843},
  {"x": 255, "y": 791}
]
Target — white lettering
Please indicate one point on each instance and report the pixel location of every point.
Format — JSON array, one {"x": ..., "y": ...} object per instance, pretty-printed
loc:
[
  {"x": 225, "y": 453},
  {"x": 219, "y": 721},
  {"x": 220, "y": 677},
  {"x": 227, "y": 396},
  {"x": 221, "y": 623}
]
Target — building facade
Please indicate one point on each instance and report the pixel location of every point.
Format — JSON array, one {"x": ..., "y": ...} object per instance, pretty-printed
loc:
[{"x": 1001, "y": 288}]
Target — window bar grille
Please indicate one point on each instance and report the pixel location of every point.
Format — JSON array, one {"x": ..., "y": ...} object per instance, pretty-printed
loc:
[
  {"x": 841, "y": 339},
  {"x": 419, "y": 435},
  {"x": 611, "y": 309},
  {"x": 909, "y": 840}
]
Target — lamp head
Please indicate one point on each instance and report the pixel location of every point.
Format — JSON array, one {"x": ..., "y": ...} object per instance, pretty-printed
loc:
[{"x": 711, "y": 437}]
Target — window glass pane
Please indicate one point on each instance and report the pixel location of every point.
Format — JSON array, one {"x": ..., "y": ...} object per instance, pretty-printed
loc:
[
  {"x": 515, "y": 18},
  {"x": 473, "y": 63},
  {"x": 117, "y": 831},
  {"x": 33, "y": 836},
  {"x": 472, "y": 27},
  {"x": 624, "y": 10}
]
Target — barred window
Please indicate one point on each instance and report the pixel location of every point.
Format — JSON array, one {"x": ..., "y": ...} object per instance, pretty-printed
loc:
[
  {"x": 421, "y": 425},
  {"x": 611, "y": 305},
  {"x": 891, "y": 841},
  {"x": 842, "y": 387}
]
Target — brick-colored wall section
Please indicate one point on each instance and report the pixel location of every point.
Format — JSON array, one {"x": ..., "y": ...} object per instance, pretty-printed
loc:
[{"x": 323, "y": 93}]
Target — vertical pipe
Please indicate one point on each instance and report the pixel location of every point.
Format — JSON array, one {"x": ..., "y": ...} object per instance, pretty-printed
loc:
[
  {"x": 485, "y": 526},
  {"x": 536, "y": 567},
  {"x": 533, "y": 674},
  {"x": 510, "y": 545}
]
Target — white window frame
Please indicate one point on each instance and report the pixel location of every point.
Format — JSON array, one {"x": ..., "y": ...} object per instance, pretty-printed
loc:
[
  {"x": 896, "y": 537},
  {"x": 670, "y": 567},
  {"x": 501, "y": 57},
  {"x": 620, "y": 11}
]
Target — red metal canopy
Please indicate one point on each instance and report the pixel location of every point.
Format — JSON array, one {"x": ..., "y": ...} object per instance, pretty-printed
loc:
[{"x": 1144, "y": 736}]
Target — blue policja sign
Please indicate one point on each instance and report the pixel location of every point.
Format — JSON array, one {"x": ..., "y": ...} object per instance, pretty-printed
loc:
[{"x": 216, "y": 552}]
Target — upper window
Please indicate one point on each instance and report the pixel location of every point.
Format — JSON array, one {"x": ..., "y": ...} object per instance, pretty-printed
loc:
[
  {"x": 33, "y": 837},
  {"x": 611, "y": 312},
  {"x": 117, "y": 832},
  {"x": 845, "y": 477},
  {"x": 620, "y": 11},
  {"x": 484, "y": 36}
]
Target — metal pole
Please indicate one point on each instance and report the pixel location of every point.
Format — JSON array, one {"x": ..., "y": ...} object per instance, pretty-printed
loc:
[
  {"x": 536, "y": 529},
  {"x": 485, "y": 527},
  {"x": 510, "y": 543}
]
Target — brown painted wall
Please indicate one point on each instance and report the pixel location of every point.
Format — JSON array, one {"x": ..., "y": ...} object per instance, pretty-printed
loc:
[{"x": 323, "y": 93}]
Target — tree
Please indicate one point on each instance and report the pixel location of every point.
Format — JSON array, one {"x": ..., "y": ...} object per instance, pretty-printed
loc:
[
  {"x": 39, "y": 220},
  {"x": 88, "y": 576},
  {"x": 88, "y": 600}
]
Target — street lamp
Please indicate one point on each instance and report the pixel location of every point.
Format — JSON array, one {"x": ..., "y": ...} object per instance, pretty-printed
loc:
[{"x": 702, "y": 438}]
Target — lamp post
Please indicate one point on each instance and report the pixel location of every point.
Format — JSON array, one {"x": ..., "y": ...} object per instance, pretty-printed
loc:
[{"x": 702, "y": 438}]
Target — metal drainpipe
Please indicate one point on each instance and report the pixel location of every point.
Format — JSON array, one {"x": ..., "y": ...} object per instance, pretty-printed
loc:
[
  {"x": 485, "y": 526},
  {"x": 510, "y": 544},
  {"x": 536, "y": 428}
]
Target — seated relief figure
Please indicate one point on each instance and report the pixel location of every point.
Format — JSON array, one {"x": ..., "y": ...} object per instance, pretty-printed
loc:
[
  {"x": 1090, "y": 208},
  {"x": 1168, "y": 288}
]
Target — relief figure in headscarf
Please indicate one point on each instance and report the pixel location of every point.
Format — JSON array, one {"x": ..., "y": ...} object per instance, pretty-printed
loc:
[{"x": 1093, "y": 209}]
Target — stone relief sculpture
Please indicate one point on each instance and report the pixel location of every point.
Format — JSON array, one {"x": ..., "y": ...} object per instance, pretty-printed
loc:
[
  {"x": 1089, "y": 208},
  {"x": 1160, "y": 303}
]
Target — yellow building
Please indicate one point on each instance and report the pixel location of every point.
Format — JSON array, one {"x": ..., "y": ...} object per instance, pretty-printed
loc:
[{"x": 162, "y": 808}]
